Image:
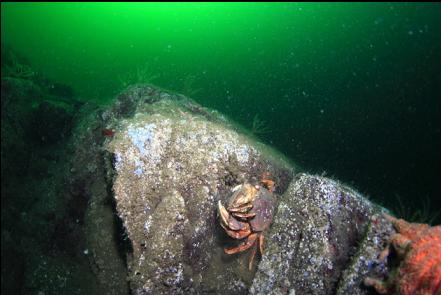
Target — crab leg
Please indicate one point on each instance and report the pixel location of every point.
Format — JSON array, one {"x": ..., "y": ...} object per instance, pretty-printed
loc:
[
  {"x": 244, "y": 215},
  {"x": 241, "y": 209},
  {"x": 250, "y": 241},
  {"x": 224, "y": 215},
  {"x": 267, "y": 182},
  {"x": 229, "y": 221},
  {"x": 261, "y": 240},
  {"x": 237, "y": 234},
  {"x": 254, "y": 250},
  {"x": 252, "y": 254}
]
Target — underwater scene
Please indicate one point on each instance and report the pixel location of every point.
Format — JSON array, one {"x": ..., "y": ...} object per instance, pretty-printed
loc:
[{"x": 221, "y": 148}]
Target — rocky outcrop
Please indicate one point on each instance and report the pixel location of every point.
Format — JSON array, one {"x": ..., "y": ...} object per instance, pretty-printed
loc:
[
  {"x": 42, "y": 222},
  {"x": 132, "y": 210},
  {"x": 317, "y": 231},
  {"x": 174, "y": 160},
  {"x": 172, "y": 165}
]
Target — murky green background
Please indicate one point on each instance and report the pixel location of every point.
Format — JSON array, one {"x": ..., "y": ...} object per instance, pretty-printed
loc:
[{"x": 352, "y": 90}]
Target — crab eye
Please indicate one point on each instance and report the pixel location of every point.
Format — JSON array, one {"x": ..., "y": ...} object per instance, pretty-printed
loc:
[{"x": 257, "y": 187}]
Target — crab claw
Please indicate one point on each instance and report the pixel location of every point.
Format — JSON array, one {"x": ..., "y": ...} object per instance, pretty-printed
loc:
[
  {"x": 223, "y": 213},
  {"x": 243, "y": 197},
  {"x": 238, "y": 234},
  {"x": 233, "y": 227}
]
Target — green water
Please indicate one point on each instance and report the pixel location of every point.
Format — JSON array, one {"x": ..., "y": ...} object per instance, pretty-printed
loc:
[{"x": 350, "y": 89}]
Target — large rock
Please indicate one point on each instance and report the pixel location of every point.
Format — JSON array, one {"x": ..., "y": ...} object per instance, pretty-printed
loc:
[
  {"x": 90, "y": 179},
  {"x": 42, "y": 222},
  {"x": 16, "y": 109},
  {"x": 161, "y": 162},
  {"x": 174, "y": 160},
  {"x": 316, "y": 232}
]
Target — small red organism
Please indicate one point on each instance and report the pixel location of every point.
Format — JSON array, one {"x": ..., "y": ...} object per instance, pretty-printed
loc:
[
  {"x": 418, "y": 248},
  {"x": 108, "y": 132}
]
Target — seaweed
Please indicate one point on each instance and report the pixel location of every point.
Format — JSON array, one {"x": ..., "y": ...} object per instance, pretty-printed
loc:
[
  {"x": 259, "y": 127},
  {"x": 142, "y": 75},
  {"x": 423, "y": 214}
]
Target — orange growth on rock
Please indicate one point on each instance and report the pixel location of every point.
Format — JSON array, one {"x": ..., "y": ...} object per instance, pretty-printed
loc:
[{"x": 418, "y": 247}]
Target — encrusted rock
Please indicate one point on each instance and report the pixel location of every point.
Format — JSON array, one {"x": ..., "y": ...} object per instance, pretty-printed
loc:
[
  {"x": 317, "y": 229},
  {"x": 172, "y": 165},
  {"x": 173, "y": 160}
]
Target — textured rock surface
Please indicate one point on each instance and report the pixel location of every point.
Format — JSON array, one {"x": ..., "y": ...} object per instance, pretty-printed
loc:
[
  {"x": 162, "y": 172},
  {"x": 173, "y": 163},
  {"x": 89, "y": 180},
  {"x": 316, "y": 232},
  {"x": 364, "y": 263},
  {"x": 160, "y": 162},
  {"x": 42, "y": 221},
  {"x": 174, "y": 160}
]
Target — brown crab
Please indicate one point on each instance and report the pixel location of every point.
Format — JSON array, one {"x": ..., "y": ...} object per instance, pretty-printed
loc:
[{"x": 248, "y": 214}]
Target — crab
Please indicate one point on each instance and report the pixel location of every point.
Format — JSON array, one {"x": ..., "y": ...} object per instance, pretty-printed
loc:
[
  {"x": 418, "y": 249},
  {"x": 248, "y": 215}
]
